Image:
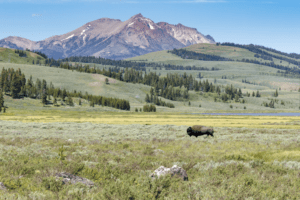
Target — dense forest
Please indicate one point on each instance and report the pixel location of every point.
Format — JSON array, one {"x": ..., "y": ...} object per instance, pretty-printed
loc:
[{"x": 14, "y": 83}]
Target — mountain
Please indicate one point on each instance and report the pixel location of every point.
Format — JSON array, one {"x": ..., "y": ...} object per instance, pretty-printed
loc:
[{"x": 113, "y": 39}]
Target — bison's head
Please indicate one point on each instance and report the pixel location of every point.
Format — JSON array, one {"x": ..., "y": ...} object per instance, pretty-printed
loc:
[{"x": 189, "y": 131}]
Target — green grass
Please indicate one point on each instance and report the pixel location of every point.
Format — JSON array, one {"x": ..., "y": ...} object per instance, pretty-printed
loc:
[
  {"x": 238, "y": 163},
  {"x": 9, "y": 56},
  {"x": 233, "y": 53},
  {"x": 249, "y": 157}
]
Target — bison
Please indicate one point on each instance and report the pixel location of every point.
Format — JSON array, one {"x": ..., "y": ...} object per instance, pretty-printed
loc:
[{"x": 200, "y": 130}]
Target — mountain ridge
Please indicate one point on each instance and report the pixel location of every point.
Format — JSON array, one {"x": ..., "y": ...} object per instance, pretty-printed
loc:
[{"x": 113, "y": 39}]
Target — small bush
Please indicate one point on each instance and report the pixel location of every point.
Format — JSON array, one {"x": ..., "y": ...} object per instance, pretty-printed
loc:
[
  {"x": 52, "y": 184},
  {"x": 12, "y": 184},
  {"x": 147, "y": 108}
]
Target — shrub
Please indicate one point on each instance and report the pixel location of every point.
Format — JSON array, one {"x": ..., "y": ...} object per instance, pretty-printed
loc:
[
  {"x": 52, "y": 184},
  {"x": 12, "y": 184},
  {"x": 147, "y": 108}
]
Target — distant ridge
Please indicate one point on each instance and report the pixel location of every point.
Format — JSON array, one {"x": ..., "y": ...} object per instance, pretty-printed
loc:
[{"x": 113, "y": 39}]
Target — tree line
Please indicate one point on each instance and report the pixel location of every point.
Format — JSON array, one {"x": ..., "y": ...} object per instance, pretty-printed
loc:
[
  {"x": 14, "y": 83},
  {"x": 21, "y": 53},
  {"x": 256, "y": 49},
  {"x": 291, "y": 55},
  {"x": 197, "y": 56},
  {"x": 163, "y": 86},
  {"x": 39, "y": 53},
  {"x": 140, "y": 66}
]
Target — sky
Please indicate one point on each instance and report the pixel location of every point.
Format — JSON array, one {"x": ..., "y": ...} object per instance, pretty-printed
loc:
[{"x": 271, "y": 23}]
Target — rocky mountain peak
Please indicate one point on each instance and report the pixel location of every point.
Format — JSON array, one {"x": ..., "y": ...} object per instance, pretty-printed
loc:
[
  {"x": 137, "y": 16},
  {"x": 114, "y": 39}
]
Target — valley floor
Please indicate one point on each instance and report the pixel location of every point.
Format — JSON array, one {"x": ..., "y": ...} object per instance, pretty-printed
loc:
[{"x": 118, "y": 152}]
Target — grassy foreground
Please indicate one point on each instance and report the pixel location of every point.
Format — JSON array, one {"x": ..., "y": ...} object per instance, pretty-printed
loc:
[{"x": 118, "y": 151}]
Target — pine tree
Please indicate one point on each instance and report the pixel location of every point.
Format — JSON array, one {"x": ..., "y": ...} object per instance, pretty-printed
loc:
[
  {"x": 147, "y": 98},
  {"x": 79, "y": 103},
  {"x": 64, "y": 94},
  {"x": 236, "y": 98},
  {"x": 44, "y": 98},
  {"x": 55, "y": 102},
  {"x": 276, "y": 93},
  {"x": 15, "y": 86},
  {"x": 257, "y": 94},
  {"x": 70, "y": 101},
  {"x": 1, "y": 100}
]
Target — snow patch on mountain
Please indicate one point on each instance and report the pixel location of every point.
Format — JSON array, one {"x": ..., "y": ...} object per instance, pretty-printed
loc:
[
  {"x": 151, "y": 27},
  {"x": 68, "y": 37}
]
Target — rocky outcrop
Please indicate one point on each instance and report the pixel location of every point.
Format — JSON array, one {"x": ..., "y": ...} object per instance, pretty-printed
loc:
[
  {"x": 174, "y": 171},
  {"x": 2, "y": 186},
  {"x": 70, "y": 178},
  {"x": 113, "y": 39}
]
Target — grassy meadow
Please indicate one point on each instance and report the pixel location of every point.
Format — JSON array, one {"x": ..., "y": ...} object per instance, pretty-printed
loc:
[
  {"x": 249, "y": 157},
  {"x": 119, "y": 152}
]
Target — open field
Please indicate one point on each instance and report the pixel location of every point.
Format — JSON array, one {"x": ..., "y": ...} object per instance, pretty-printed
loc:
[
  {"x": 125, "y": 118},
  {"x": 119, "y": 151}
]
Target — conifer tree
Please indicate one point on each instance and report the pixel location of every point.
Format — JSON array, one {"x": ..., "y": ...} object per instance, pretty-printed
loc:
[
  {"x": 236, "y": 98},
  {"x": 1, "y": 100},
  {"x": 70, "y": 101},
  {"x": 147, "y": 98},
  {"x": 55, "y": 102},
  {"x": 257, "y": 94},
  {"x": 44, "y": 98},
  {"x": 276, "y": 93}
]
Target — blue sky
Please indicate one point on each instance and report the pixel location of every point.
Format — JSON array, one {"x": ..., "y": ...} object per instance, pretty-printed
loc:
[{"x": 272, "y": 23}]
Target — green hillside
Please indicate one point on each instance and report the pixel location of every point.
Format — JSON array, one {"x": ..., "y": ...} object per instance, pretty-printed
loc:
[
  {"x": 9, "y": 56},
  {"x": 259, "y": 78},
  {"x": 234, "y": 53}
]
